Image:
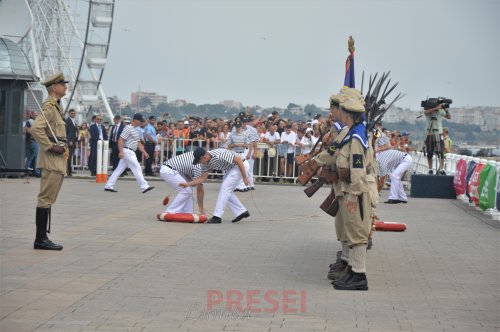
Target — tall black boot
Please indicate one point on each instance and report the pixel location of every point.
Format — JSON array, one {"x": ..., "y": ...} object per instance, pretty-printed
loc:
[{"x": 41, "y": 240}]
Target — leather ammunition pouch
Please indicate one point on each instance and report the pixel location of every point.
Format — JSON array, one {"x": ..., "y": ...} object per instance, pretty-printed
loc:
[
  {"x": 330, "y": 175},
  {"x": 330, "y": 205}
]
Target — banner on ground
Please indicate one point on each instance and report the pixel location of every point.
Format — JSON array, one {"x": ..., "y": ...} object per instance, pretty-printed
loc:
[
  {"x": 470, "y": 169},
  {"x": 459, "y": 179},
  {"x": 474, "y": 184},
  {"x": 487, "y": 187},
  {"x": 498, "y": 191}
]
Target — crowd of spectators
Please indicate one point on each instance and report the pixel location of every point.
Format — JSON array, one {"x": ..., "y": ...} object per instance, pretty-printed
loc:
[{"x": 284, "y": 138}]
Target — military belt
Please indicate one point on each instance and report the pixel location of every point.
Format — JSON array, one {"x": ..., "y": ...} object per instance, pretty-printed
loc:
[{"x": 59, "y": 139}]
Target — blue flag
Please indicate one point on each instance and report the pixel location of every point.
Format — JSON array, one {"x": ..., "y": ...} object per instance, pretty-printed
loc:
[{"x": 349, "y": 72}]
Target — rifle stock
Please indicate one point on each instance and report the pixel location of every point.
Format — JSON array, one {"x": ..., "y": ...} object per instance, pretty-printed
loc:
[
  {"x": 313, "y": 188},
  {"x": 308, "y": 170},
  {"x": 300, "y": 159}
]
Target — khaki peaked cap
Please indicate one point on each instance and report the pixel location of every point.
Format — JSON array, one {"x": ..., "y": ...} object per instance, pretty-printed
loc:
[
  {"x": 56, "y": 78},
  {"x": 338, "y": 98},
  {"x": 352, "y": 105},
  {"x": 355, "y": 94}
]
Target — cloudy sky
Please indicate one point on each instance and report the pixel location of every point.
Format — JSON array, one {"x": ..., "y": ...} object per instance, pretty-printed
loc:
[{"x": 270, "y": 53}]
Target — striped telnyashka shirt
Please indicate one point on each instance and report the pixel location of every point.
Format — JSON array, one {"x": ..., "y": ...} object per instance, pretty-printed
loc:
[
  {"x": 238, "y": 139},
  {"x": 131, "y": 137},
  {"x": 183, "y": 164},
  {"x": 221, "y": 160},
  {"x": 388, "y": 160},
  {"x": 251, "y": 133},
  {"x": 381, "y": 141}
]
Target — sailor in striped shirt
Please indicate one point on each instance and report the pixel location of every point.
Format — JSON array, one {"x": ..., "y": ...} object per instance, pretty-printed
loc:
[
  {"x": 235, "y": 168},
  {"x": 128, "y": 143},
  {"x": 180, "y": 169},
  {"x": 253, "y": 137},
  {"x": 394, "y": 163},
  {"x": 238, "y": 142}
]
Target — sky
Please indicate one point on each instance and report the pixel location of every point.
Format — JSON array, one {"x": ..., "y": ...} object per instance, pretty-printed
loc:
[{"x": 271, "y": 53}]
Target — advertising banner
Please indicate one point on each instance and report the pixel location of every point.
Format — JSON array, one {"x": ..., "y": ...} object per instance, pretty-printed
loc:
[
  {"x": 487, "y": 187},
  {"x": 498, "y": 192},
  {"x": 459, "y": 179},
  {"x": 470, "y": 169},
  {"x": 474, "y": 184}
]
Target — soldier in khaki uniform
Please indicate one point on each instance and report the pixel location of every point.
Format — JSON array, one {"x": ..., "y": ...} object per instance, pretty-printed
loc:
[
  {"x": 327, "y": 159},
  {"x": 355, "y": 204},
  {"x": 51, "y": 158},
  {"x": 371, "y": 162}
]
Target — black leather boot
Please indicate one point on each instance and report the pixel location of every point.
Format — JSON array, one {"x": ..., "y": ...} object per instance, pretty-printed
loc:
[
  {"x": 339, "y": 254},
  {"x": 357, "y": 281},
  {"x": 41, "y": 240},
  {"x": 343, "y": 276},
  {"x": 338, "y": 270}
]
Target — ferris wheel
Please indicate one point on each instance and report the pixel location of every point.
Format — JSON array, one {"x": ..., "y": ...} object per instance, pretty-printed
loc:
[{"x": 73, "y": 37}]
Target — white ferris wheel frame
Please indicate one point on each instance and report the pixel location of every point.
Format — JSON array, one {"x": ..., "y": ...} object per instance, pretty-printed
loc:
[{"x": 56, "y": 43}]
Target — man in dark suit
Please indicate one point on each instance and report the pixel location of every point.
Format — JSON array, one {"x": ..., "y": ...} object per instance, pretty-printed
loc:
[
  {"x": 115, "y": 132},
  {"x": 97, "y": 132},
  {"x": 72, "y": 137}
]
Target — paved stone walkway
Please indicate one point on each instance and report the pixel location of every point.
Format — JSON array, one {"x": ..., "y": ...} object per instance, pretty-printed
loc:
[{"x": 121, "y": 270}]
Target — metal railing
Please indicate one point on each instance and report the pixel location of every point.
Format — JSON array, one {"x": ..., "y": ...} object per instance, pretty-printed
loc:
[{"x": 280, "y": 168}]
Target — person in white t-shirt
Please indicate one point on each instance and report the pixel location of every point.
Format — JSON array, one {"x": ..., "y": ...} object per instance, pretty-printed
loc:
[
  {"x": 306, "y": 143},
  {"x": 315, "y": 136},
  {"x": 289, "y": 139},
  {"x": 271, "y": 137}
]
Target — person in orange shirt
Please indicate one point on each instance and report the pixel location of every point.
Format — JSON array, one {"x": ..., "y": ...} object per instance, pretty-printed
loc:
[{"x": 181, "y": 135}]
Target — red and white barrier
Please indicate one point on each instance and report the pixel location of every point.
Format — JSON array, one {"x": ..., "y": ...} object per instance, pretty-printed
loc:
[
  {"x": 389, "y": 226},
  {"x": 102, "y": 161},
  {"x": 182, "y": 217}
]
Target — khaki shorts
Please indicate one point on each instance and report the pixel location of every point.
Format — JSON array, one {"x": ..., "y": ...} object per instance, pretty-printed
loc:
[{"x": 357, "y": 229}]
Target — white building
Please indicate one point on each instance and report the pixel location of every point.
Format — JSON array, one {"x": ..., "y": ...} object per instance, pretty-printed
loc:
[
  {"x": 178, "y": 103},
  {"x": 155, "y": 98},
  {"x": 296, "y": 110},
  {"x": 231, "y": 104}
]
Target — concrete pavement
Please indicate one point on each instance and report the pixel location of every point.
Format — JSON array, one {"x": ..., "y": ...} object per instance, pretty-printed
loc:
[{"x": 121, "y": 270}]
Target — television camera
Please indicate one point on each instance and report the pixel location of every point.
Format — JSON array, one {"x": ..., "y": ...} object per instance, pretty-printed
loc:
[{"x": 433, "y": 102}]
